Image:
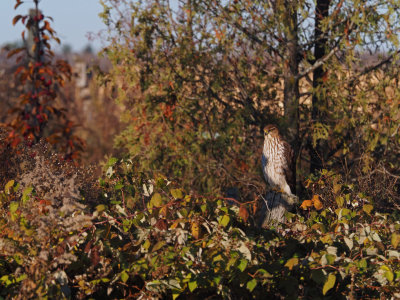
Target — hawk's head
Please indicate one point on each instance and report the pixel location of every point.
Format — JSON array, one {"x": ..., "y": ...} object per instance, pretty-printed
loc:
[{"x": 271, "y": 131}]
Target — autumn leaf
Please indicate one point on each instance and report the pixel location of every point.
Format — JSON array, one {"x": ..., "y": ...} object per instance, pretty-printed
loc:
[
  {"x": 196, "y": 230},
  {"x": 243, "y": 213},
  {"x": 306, "y": 204},
  {"x": 317, "y": 203}
]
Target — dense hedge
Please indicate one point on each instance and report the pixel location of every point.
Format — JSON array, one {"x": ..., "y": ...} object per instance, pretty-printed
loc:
[{"x": 150, "y": 239}]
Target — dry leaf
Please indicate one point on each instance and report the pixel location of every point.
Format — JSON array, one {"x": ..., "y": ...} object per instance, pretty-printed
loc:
[
  {"x": 243, "y": 213},
  {"x": 306, "y": 204},
  {"x": 317, "y": 203}
]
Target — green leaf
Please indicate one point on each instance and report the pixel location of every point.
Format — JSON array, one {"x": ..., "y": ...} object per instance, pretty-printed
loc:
[
  {"x": 251, "y": 284},
  {"x": 158, "y": 246},
  {"x": 13, "y": 207},
  {"x": 192, "y": 285},
  {"x": 177, "y": 193},
  {"x": 368, "y": 208},
  {"x": 318, "y": 276},
  {"x": 224, "y": 220},
  {"x": 156, "y": 200},
  {"x": 217, "y": 279},
  {"x": 242, "y": 264},
  {"x": 146, "y": 244},
  {"x": 26, "y": 193},
  {"x": 329, "y": 283},
  {"x": 388, "y": 273},
  {"x": 100, "y": 207},
  {"x": 340, "y": 201},
  {"x": 8, "y": 186},
  {"x": 362, "y": 264},
  {"x": 118, "y": 186},
  {"x": 124, "y": 276},
  {"x": 112, "y": 161}
]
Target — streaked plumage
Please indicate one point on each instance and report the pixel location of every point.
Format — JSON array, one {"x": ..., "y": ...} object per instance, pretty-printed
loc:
[{"x": 277, "y": 161}]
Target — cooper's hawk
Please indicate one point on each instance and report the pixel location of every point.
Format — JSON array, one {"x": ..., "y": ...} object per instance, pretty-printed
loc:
[{"x": 277, "y": 161}]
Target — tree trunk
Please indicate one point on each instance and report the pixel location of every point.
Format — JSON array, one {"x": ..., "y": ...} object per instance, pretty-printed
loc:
[
  {"x": 319, "y": 102},
  {"x": 273, "y": 208},
  {"x": 291, "y": 70}
]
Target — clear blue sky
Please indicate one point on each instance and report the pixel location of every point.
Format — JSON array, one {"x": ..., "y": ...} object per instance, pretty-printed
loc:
[{"x": 73, "y": 20}]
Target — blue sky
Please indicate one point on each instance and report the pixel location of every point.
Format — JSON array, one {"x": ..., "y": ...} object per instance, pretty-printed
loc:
[{"x": 73, "y": 20}]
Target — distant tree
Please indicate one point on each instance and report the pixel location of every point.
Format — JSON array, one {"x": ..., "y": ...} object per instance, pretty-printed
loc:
[
  {"x": 40, "y": 75},
  {"x": 88, "y": 49},
  {"x": 66, "y": 49}
]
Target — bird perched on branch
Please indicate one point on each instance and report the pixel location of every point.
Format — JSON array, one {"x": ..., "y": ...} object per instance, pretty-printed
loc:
[{"x": 278, "y": 161}]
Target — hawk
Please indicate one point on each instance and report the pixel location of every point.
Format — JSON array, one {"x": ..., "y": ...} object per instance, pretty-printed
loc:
[{"x": 278, "y": 161}]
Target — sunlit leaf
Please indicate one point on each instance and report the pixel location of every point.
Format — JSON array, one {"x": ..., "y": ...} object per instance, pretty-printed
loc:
[
  {"x": 124, "y": 276},
  {"x": 251, "y": 284},
  {"x": 395, "y": 240},
  {"x": 8, "y": 186},
  {"x": 291, "y": 263},
  {"x": 192, "y": 285},
  {"x": 224, "y": 220},
  {"x": 368, "y": 208},
  {"x": 306, "y": 204},
  {"x": 242, "y": 264},
  {"x": 329, "y": 283},
  {"x": 156, "y": 200},
  {"x": 177, "y": 193}
]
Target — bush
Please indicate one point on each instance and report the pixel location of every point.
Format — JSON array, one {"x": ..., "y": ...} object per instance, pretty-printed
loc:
[{"x": 150, "y": 239}]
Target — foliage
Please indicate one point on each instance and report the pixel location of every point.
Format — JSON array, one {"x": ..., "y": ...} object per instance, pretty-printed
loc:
[
  {"x": 198, "y": 80},
  {"x": 41, "y": 76},
  {"x": 150, "y": 239},
  {"x": 196, "y": 86},
  {"x": 41, "y": 220}
]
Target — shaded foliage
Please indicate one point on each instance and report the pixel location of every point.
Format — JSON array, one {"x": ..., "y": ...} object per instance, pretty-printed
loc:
[{"x": 150, "y": 239}]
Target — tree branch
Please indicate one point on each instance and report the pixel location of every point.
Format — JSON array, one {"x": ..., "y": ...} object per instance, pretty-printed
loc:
[
  {"x": 318, "y": 63},
  {"x": 373, "y": 67}
]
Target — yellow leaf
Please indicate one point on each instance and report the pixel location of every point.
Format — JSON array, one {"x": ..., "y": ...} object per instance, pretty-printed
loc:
[
  {"x": 292, "y": 263},
  {"x": 368, "y": 208},
  {"x": 8, "y": 186},
  {"x": 195, "y": 230},
  {"x": 164, "y": 211},
  {"x": 329, "y": 283},
  {"x": 395, "y": 240},
  {"x": 174, "y": 225}
]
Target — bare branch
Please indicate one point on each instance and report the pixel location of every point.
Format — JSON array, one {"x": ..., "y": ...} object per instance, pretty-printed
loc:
[{"x": 317, "y": 64}]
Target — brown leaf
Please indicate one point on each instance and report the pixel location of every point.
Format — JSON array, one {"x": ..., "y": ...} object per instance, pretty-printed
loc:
[
  {"x": 243, "y": 213},
  {"x": 16, "y": 19},
  {"x": 162, "y": 224},
  {"x": 94, "y": 256}
]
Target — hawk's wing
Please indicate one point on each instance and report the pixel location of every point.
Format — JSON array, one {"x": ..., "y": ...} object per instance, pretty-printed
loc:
[{"x": 289, "y": 169}]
